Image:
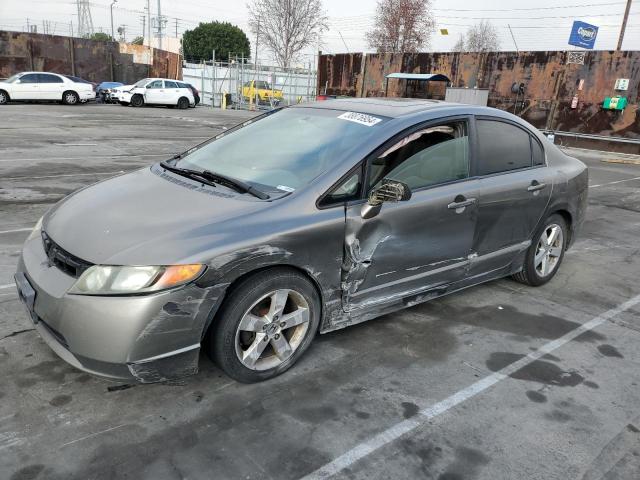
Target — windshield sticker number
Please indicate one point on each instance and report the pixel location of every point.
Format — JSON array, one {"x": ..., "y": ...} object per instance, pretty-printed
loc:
[{"x": 361, "y": 118}]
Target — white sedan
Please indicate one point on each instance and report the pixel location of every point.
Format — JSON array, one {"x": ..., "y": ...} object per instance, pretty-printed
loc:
[
  {"x": 155, "y": 91},
  {"x": 46, "y": 86}
]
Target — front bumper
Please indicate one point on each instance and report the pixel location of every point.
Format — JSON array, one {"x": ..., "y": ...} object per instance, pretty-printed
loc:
[
  {"x": 149, "y": 338},
  {"x": 121, "y": 96}
]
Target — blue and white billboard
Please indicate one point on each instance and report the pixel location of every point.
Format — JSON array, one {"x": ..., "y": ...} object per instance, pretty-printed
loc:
[{"x": 583, "y": 34}]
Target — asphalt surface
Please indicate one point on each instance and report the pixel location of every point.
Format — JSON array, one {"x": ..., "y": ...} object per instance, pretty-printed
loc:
[{"x": 501, "y": 381}]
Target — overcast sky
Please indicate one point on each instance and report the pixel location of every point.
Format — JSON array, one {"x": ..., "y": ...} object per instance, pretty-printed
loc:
[{"x": 537, "y": 25}]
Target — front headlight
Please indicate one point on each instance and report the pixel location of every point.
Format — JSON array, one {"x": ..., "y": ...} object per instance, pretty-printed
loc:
[
  {"x": 36, "y": 229},
  {"x": 119, "y": 280}
]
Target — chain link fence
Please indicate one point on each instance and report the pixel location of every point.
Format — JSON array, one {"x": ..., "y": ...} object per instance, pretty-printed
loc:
[{"x": 230, "y": 82}]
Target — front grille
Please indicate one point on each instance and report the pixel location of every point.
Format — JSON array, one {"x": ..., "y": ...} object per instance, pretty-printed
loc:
[{"x": 59, "y": 257}]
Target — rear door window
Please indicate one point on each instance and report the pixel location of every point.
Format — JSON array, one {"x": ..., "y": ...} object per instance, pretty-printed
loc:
[
  {"x": 502, "y": 147},
  {"x": 169, "y": 84},
  {"x": 46, "y": 78},
  {"x": 538, "y": 152}
]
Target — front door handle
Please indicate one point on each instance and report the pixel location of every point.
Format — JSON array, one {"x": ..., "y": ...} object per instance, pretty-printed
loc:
[
  {"x": 460, "y": 203},
  {"x": 535, "y": 186}
]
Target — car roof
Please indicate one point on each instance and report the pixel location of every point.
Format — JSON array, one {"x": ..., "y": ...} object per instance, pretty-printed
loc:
[{"x": 393, "y": 107}]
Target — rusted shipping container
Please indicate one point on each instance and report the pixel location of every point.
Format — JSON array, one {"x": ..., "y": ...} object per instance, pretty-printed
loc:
[
  {"x": 559, "y": 94},
  {"x": 92, "y": 60}
]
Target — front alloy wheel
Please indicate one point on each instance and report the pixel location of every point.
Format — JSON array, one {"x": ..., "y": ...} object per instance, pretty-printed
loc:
[
  {"x": 267, "y": 322},
  {"x": 272, "y": 329}
]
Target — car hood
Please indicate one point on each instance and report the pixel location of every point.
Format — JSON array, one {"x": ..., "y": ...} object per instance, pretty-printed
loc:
[{"x": 147, "y": 217}]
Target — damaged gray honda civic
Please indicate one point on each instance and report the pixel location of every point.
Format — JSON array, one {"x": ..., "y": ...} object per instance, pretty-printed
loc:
[{"x": 302, "y": 220}]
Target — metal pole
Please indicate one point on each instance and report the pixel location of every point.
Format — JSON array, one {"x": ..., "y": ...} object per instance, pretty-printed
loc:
[
  {"x": 112, "y": 33},
  {"x": 514, "y": 38},
  {"x": 159, "y": 26},
  {"x": 624, "y": 24},
  {"x": 148, "y": 23}
]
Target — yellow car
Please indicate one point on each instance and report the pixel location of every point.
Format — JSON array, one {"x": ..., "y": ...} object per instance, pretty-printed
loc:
[{"x": 261, "y": 92}]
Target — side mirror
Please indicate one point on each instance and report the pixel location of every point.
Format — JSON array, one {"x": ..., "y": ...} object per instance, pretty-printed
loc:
[
  {"x": 389, "y": 191},
  {"x": 148, "y": 86}
]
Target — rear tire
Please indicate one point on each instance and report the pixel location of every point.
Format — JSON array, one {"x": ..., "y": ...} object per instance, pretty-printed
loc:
[
  {"x": 274, "y": 314},
  {"x": 183, "y": 103},
  {"x": 4, "y": 97},
  {"x": 546, "y": 252},
  {"x": 70, "y": 98},
  {"x": 137, "y": 100}
]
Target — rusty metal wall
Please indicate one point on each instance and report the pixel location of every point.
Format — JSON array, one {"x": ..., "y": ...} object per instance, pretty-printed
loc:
[
  {"x": 92, "y": 60},
  {"x": 550, "y": 82}
]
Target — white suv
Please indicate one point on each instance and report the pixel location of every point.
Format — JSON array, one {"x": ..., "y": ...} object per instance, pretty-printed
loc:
[
  {"x": 155, "y": 91},
  {"x": 46, "y": 86}
]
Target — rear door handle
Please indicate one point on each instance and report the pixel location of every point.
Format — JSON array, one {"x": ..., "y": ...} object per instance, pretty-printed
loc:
[
  {"x": 461, "y": 202},
  {"x": 535, "y": 186}
]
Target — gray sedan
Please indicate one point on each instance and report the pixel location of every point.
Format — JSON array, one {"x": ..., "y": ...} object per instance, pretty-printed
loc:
[{"x": 303, "y": 220}]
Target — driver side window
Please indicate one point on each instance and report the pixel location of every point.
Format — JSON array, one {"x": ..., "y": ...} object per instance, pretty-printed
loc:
[
  {"x": 429, "y": 156},
  {"x": 155, "y": 84}
]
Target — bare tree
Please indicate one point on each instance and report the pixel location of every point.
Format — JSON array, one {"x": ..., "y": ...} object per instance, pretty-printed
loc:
[
  {"x": 482, "y": 37},
  {"x": 286, "y": 26},
  {"x": 401, "y": 26},
  {"x": 460, "y": 45}
]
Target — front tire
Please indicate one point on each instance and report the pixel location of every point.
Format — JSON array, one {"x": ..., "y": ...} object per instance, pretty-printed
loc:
[
  {"x": 546, "y": 252},
  {"x": 4, "y": 97},
  {"x": 70, "y": 98},
  {"x": 137, "y": 100},
  {"x": 265, "y": 325}
]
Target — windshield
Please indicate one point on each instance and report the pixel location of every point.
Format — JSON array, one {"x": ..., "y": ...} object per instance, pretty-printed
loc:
[
  {"x": 141, "y": 83},
  {"x": 263, "y": 85},
  {"x": 287, "y": 149},
  {"x": 13, "y": 78}
]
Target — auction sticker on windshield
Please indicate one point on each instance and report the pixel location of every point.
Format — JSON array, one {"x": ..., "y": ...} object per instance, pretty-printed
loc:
[{"x": 361, "y": 118}]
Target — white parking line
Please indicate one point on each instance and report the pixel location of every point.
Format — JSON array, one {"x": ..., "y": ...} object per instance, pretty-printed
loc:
[
  {"x": 65, "y": 175},
  {"x": 8, "y": 285},
  {"x": 613, "y": 183},
  {"x": 396, "y": 431},
  {"x": 124, "y": 156},
  {"x": 27, "y": 229}
]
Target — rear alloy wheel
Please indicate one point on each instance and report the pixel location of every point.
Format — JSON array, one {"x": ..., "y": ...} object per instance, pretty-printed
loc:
[
  {"x": 183, "y": 103},
  {"x": 265, "y": 325},
  {"x": 4, "y": 97},
  {"x": 70, "y": 98},
  {"x": 545, "y": 253},
  {"x": 137, "y": 100}
]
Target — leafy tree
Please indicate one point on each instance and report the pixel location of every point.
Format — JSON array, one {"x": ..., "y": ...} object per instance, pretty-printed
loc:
[
  {"x": 99, "y": 36},
  {"x": 138, "y": 41},
  {"x": 286, "y": 27},
  {"x": 401, "y": 26},
  {"x": 222, "y": 37}
]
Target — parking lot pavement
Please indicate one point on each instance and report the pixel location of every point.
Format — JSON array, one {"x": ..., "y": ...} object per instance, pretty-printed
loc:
[{"x": 499, "y": 381}]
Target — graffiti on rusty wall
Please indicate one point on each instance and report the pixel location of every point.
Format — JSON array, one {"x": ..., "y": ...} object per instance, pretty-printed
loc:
[
  {"x": 558, "y": 95},
  {"x": 92, "y": 60}
]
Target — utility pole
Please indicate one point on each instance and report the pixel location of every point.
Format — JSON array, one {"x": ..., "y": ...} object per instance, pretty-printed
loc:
[
  {"x": 143, "y": 19},
  {"x": 113, "y": 37},
  {"x": 176, "y": 28},
  {"x": 159, "y": 26},
  {"x": 624, "y": 24},
  {"x": 514, "y": 39},
  {"x": 148, "y": 21},
  {"x": 255, "y": 60}
]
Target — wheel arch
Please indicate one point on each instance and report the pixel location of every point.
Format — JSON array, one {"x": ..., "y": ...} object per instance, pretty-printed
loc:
[
  {"x": 258, "y": 269},
  {"x": 6, "y": 93},
  {"x": 568, "y": 218},
  {"x": 70, "y": 90}
]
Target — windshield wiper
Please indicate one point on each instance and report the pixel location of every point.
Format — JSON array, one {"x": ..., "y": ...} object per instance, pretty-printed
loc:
[{"x": 211, "y": 178}]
